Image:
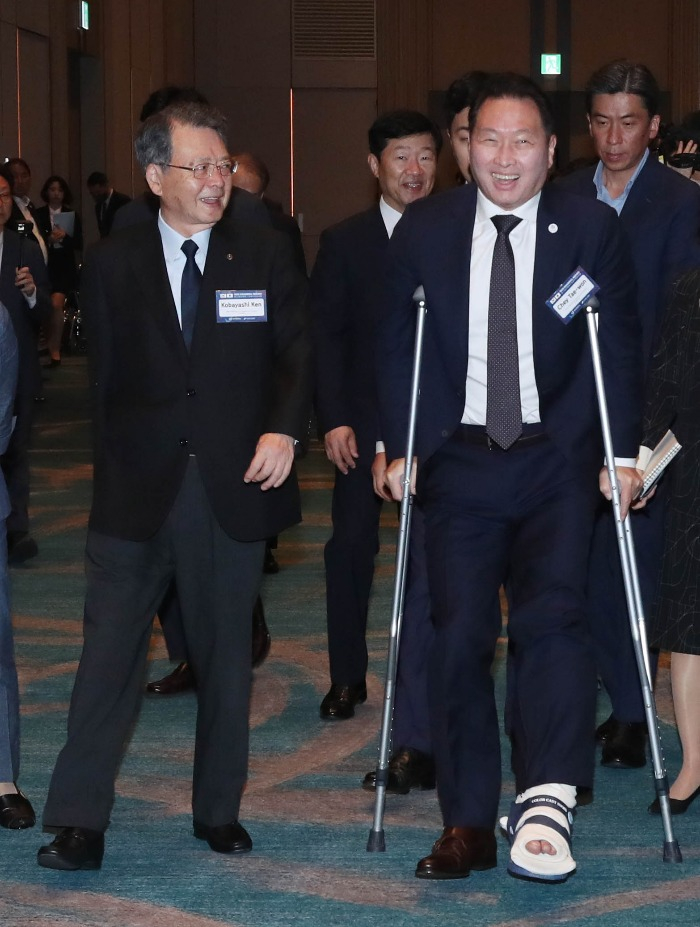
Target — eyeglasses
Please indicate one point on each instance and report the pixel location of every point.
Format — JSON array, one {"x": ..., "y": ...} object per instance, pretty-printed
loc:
[{"x": 200, "y": 171}]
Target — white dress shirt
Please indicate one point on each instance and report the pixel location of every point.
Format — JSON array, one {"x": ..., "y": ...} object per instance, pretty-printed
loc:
[
  {"x": 175, "y": 259},
  {"x": 523, "y": 239}
]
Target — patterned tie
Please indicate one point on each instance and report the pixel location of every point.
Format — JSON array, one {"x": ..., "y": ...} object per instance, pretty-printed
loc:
[
  {"x": 189, "y": 291},
  {"x": 504, "y": 420}
]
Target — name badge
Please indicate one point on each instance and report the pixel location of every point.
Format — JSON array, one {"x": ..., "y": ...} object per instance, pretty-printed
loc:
[
  {"x": 241, "y": 305},
  {"x": 572, "y": 295}
]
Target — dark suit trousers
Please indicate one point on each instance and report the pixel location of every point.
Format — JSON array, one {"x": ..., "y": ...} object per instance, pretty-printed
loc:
[
  {"x": 217, "y": 580},
  {"x": 349, "y": 557},
  {"x": 524, "y": 515},
  {"x": 607, "y": 603},
  {"x": 15, "y": 465}
]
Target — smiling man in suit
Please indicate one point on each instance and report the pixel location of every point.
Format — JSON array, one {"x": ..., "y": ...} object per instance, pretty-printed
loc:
[
  {"x": 509, "y": 451},
  {"x": 199, "y": 371},
  {"x": 345, "y": 290}
]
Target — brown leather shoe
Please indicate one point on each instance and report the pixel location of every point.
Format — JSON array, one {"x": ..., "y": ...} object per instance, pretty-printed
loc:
[
  {"x": 457, "y": 852},
  {"x": 180, "y": 680}
]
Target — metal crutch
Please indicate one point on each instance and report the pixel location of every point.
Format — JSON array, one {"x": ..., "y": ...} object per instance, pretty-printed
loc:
[
  {"x": 375, "y": 842},
  {"x": 635, "y": 608}
]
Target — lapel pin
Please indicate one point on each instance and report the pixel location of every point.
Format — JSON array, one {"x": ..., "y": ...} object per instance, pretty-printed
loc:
[
  {"x": 553, "y": 228},
  {"x": 229, "y": 256}
]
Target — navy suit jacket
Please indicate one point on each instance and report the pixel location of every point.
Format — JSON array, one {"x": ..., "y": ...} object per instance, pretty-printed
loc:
[
  {"x": 345, "y": 288},
  {"x": 661, "y": 220},
  {"x": 431, "y": 247}
]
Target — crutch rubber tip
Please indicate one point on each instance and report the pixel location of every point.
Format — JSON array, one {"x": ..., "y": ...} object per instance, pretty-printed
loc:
[
  {"x": 375, "y": 843},
  {"x": 672, "y": 852}
]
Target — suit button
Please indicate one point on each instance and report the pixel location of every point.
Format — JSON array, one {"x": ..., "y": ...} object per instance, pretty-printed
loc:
[
  {"x": 183, "y": 442},
  {"x": 191, "y": 392},
  {"x": 444, "y": 433}
]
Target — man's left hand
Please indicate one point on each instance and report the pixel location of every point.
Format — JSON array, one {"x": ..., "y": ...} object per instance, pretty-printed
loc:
[
  {"x": 272, "y": 462},
  {"x": 630, "y": 483}
]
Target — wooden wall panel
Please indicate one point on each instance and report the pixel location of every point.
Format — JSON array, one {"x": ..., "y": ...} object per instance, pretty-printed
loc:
[
  {"x": 9, "y": 117},
  {"x": 466, "y": 37},
  {"x": 243, "y": 65},
  {"x": 34, "y": 106},
  {"x": 404, "y": 54},
  {"x": 684, "y": 56},
  {"x": 34, "y": 15},
  {"x": 607, "y": 29}
]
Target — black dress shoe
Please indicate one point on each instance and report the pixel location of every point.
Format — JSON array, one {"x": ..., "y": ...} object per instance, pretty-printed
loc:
[
  {"x": 626, "y": 747},
  {"x": 180, "y": 680},
  {"x": 227, "y": 838},
  {"x": 457, "y": 852},
  {"x": 261, "y": 634},
  {"x": 15, "y": 811},
  {"x": 408, "y": 769},
  {"x": 339, "y": 703},
  {"x": 73, "y": 848},
  {"x": 677, "y": 805},
  {"x": 606, "y": 729},
  {"x": 20, "y": 547}
]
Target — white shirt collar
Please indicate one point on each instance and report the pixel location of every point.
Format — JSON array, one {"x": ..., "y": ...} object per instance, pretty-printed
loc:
[
  {"x": 172, "y": 241},
  {"x": 485, "y": 209},
  {"x": 390, "y": 216}
]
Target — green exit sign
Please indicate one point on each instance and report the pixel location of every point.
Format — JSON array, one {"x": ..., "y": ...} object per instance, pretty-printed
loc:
[
  {"x": 550, "y": 64},
  {"x": 84, "y": 15}
]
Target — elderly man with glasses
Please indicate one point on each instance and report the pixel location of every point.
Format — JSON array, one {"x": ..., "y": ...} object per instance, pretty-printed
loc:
[{"x": 199, "y": 372}]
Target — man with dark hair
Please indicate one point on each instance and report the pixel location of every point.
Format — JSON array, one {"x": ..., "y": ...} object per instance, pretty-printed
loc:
[
  {"x": 509, "y": 451},
  {"x": 660, "y": 215},
  {"x": 344, "y": 288},
  {"x": 199, "y": 390},
  {"x": 459, "y": 97},
  {"x": 108, "y": 201}
]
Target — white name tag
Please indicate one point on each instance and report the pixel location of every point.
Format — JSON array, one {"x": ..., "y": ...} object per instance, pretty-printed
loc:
[
  {"x": 241, "y": 305},
  {"x": 572, "y": 295}
]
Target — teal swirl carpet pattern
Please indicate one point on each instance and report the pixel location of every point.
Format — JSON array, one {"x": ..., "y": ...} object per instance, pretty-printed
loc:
[{"x": 306, "y": 813}]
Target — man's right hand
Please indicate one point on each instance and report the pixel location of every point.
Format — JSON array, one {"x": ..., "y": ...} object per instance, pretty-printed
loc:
[
  {"x": 395, "y": 477},
  {"x": 341, "y": 447}
]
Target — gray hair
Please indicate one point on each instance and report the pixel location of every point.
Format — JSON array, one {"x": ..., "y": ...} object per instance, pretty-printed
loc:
[{"x": 154, "y": 144}]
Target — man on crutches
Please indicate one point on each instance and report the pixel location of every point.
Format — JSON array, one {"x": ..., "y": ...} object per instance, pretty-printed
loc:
[{"x": 508, "y": 444}]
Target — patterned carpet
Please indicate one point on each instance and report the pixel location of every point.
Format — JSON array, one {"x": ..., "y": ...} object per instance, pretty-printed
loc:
[{"x": 303, "y": 806}]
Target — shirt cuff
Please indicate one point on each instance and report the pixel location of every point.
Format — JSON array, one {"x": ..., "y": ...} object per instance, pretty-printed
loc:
[
  {"x": 625, "y": 462},
  {"x": 643, "y": 457},
  {"x": 379, "y": 448},
  {"x": 31, "y": 300}
]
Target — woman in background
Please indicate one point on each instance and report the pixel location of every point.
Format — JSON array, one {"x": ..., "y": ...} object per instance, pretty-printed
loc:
[
  {"x": 673, "y": 401},
  {"x": 63, "y": 237}
]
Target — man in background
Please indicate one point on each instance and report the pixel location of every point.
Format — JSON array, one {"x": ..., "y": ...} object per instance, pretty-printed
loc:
[
  {"x": 345, "y": 302},
  {"x": 251, "y": 174},
  {"x": 108, "y": 201},
  {"x": 660, "y": 216}
]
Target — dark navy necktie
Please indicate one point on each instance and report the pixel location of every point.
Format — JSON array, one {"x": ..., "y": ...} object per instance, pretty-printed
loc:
[
  {"x": 504, "y": 420},
  {"x": 189, "y": 290}
]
